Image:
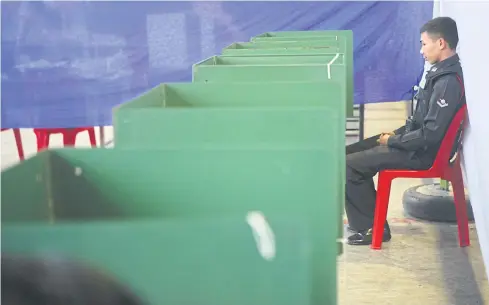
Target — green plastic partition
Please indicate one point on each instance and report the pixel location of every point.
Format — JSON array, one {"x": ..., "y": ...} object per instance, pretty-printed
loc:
[
  {"x": 302, "y": 43},
  {"x": 214, "y": 70},
  {"x": 215, "y": 261},
  {"x": 280, "y": 35},
  {"x": 286, "y": 44},
  {"x": 223, "y": 60},
  {"x": 250, "y": 49},
  {"x": 332, "y": 36},
  {"x": 345, "y": 37},
  {"x": 116, "y": 184},
  {"x": 232, "y": 115}
]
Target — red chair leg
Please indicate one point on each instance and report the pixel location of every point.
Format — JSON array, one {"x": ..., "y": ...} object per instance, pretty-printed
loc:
[
  {"x": 69, "y": 137},
  {"x": 42, "y": 139},
  {"x": 18, "y": 142},
  {"x": 381, "y": 206},
  {"x": 91, "y": 135},
  {"x": 460, "y": 205}
]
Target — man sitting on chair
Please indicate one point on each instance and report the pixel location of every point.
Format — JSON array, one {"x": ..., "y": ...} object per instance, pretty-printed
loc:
[{"x": 414, "y": 145}]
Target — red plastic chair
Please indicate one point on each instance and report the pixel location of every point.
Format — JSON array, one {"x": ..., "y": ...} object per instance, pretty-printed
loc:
[
  {"x": 443, "y": 168},
  {"x": 18, "y": 142},
  {"x": 69, "y": 136}
]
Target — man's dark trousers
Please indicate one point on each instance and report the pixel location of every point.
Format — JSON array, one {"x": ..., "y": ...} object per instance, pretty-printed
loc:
[{"x": 364, "y": 160}]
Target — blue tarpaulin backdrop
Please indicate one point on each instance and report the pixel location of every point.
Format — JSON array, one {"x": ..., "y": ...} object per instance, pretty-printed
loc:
[{"x": 66, "y": 64}]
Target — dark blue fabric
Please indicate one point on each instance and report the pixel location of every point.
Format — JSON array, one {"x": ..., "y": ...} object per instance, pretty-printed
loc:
[{"x": 66, "y": 64}]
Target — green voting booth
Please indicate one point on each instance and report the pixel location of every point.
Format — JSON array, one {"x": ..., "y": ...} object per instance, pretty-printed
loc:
[
  {"x": 345, "y": 37},
  {"x": 67, "y": 194},
  {"x": 333, "y": 36},
  {"x": 246, "y": 115},
  {"x": 232, "y": 115},
  {"x": 227, "y": 190},
  {"x": 184, "y": 261},
  {"x": 301, "y": 43},
  {"x": 280, "y": 48},
  {"x": 273, "y": 69},
  {"x": 272, "y": 60},
  {"x": 336, "y": 45},
  {"x": 300, "y": 35}
]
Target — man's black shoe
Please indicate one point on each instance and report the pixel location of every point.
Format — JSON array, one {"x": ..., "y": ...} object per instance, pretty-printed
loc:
[
  {"x": 365, "y": 237},
  {"x": 351, "y": 230}
]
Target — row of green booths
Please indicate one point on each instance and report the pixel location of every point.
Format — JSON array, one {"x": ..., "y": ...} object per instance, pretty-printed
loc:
[{"x": 225, "y": 190}]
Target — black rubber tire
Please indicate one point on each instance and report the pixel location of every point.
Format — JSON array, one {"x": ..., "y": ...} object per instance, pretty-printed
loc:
[{"x": 429, "y": 202}]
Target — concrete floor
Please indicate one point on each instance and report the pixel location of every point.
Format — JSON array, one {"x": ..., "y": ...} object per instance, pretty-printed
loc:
[{"x": 421, "y": 265}]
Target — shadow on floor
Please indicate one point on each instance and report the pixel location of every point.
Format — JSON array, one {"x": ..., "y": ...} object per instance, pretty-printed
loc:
[
  {"x": 422, "y": 264},
  {"x": 458, "y": 273}
]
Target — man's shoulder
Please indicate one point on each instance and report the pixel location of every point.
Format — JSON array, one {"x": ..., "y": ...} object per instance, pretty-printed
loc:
[
  {"x": 449, "y": 86},
  {"x": 451, "y": 73},
  {"x": 449, "y": 79}
]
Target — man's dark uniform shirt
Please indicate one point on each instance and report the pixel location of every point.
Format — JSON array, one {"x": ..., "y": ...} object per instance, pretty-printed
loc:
[{"x": 437, "y": 103}]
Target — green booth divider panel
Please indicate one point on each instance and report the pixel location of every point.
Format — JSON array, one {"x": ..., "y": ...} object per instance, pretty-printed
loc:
[
  {"x": 240, "y": 114},
  {"x": 293, "y": 51},
  {"x": 270, "y": 73},
  {"x": 336, "y": 45},
  {"x": 302, "y": 35},
  {"x": 326, "y": 38},
  {"x": 278, "y": 35},
  {"x": 163, "y": 118},
  {"x": 274, "y": 73},
  {"x": 282, "y": 48},
  {"x": 214, "y": 261},
  {"x": 264, "y": 60},
  {"x": 296, "y": 43},
  {"x": 117, "y": 184},
  {"x": 345, "y": 37}
]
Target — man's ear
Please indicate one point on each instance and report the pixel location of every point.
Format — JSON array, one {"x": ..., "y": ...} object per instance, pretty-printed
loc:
[{"x": 442, "y": 44}]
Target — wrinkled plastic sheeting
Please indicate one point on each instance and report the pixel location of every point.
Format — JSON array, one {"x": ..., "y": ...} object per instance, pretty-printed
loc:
[{"x": 66, "y": 64}]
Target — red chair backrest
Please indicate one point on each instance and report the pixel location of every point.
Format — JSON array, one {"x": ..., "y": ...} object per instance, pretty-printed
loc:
[{"x": 451, "y": 136}]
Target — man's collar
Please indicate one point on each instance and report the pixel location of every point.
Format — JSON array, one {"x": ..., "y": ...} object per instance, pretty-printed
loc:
[{"x": 445, "y": 63}]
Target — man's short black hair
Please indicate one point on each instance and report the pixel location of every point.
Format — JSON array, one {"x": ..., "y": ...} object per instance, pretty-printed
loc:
[
  {"x": 442, "y": 27},
  {"x": 48, "y": 281}
]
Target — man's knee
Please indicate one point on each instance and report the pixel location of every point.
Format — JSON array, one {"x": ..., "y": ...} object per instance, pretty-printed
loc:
[
  {"x": 358, "y": 167},
  {"x": 352, "y": 175},
  {"x": 349, "y": 149},
  {"x": 354, "y": 159}
]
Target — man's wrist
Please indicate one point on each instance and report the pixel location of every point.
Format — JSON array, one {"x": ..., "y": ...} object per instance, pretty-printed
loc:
[{"x": 390, "y": 140}]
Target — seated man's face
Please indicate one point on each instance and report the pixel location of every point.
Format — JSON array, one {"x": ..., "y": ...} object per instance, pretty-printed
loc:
[{"x": 431, "y": 47}]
